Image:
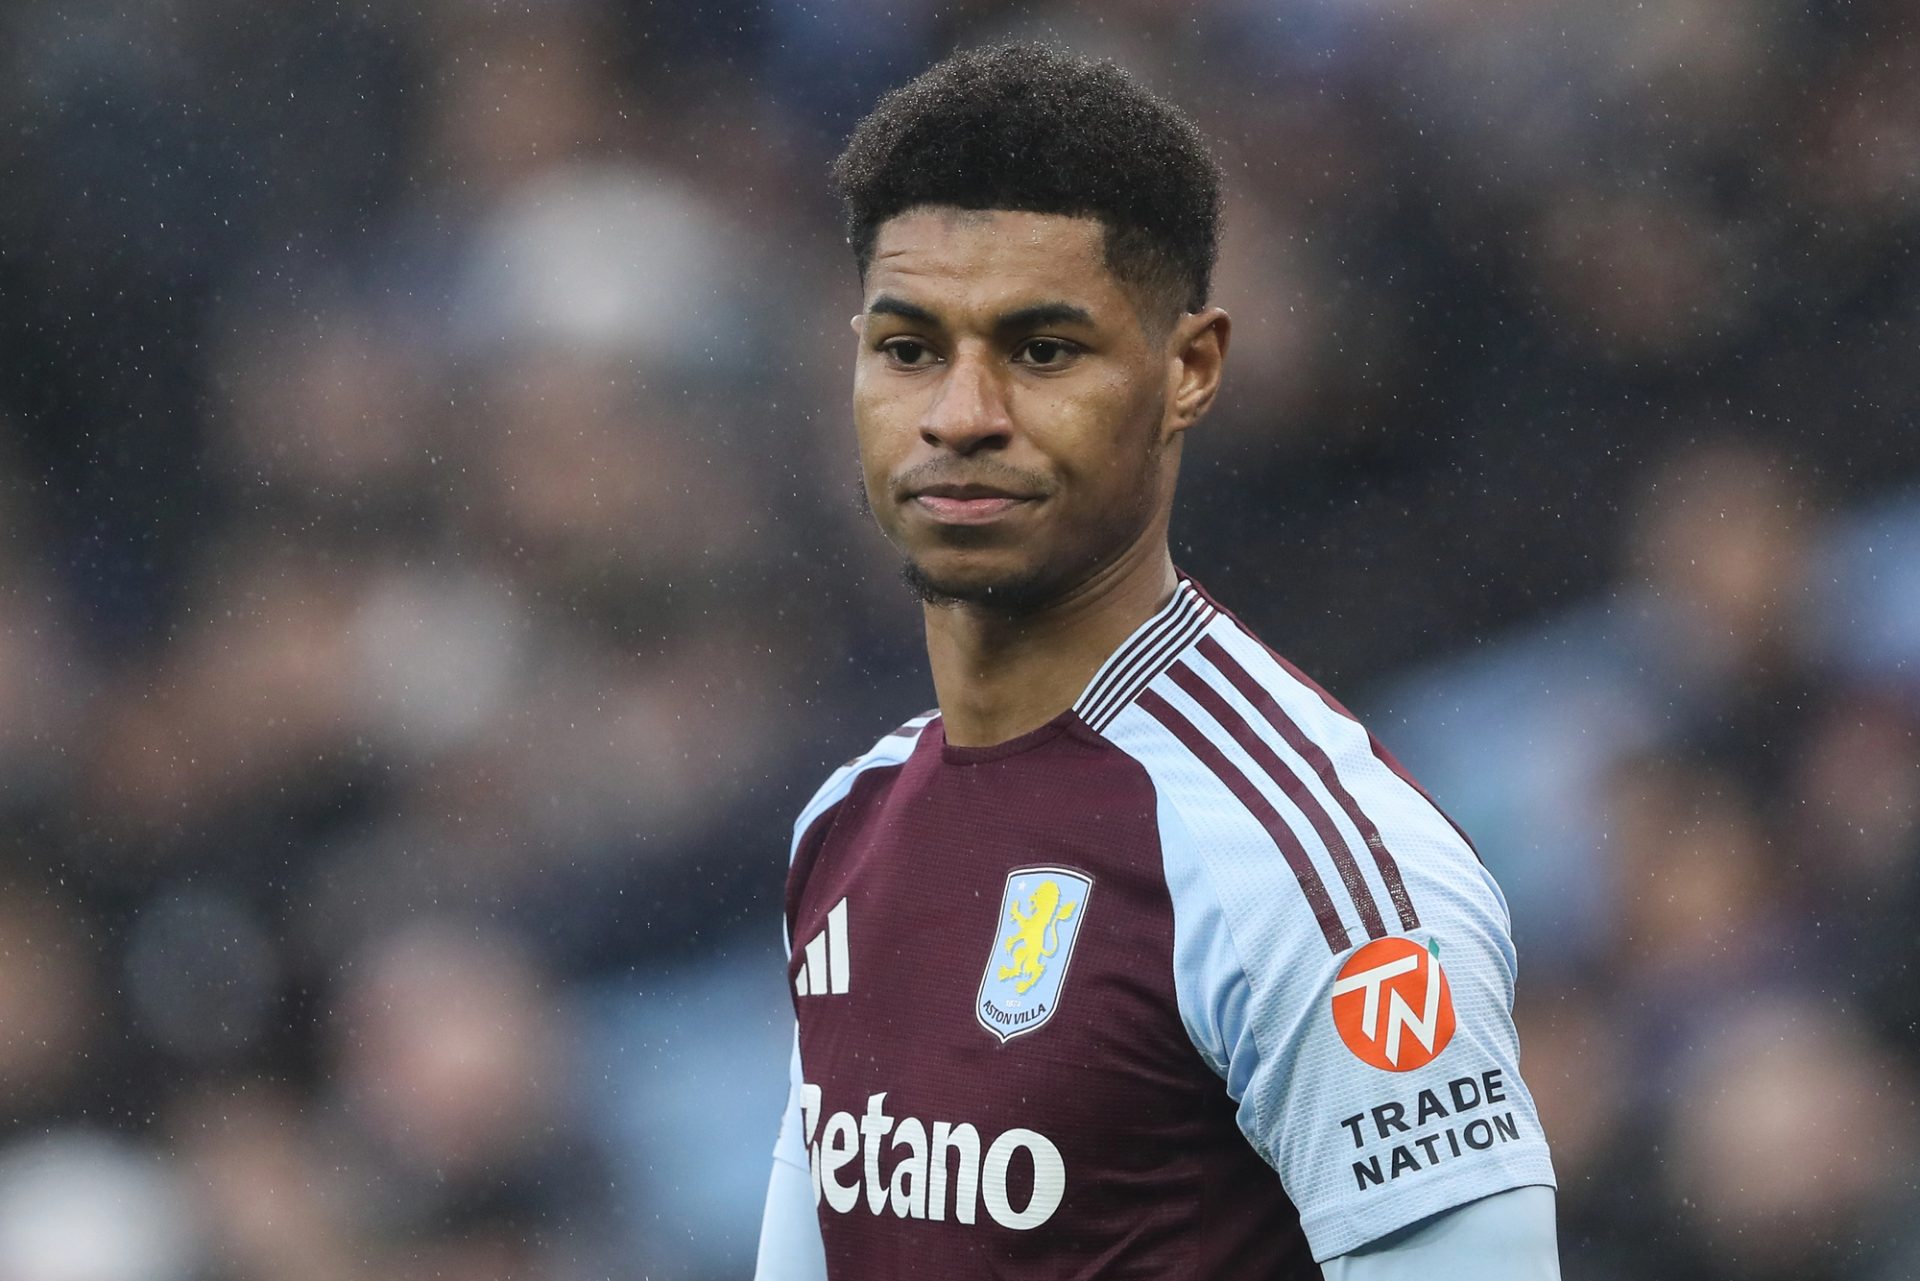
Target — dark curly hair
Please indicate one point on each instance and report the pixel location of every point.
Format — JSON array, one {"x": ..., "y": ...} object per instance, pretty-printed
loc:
[{"x": 1033, "y": 128}]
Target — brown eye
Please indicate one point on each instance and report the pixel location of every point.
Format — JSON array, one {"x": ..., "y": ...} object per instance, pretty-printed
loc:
[
  {"x": 1045, "y": 352},
  {"x": 905, "y": 351}
]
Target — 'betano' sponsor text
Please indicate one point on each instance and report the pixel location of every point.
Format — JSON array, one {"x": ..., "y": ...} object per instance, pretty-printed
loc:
[{"x": 937, "y": 1170}]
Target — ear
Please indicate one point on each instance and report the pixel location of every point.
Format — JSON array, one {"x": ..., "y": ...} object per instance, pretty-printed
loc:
[
  {"x": 1196, "y": 357},
  {"x": 859, "y": 322}
]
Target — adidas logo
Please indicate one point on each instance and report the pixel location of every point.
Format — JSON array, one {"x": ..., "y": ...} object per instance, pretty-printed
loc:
[{"x": 825, "y": 973}]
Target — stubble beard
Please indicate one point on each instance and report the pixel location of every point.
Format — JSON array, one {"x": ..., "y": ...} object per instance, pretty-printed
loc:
[{"x": 1019, "y": 595}]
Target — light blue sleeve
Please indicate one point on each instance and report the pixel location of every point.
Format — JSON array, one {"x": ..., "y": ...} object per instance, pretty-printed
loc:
[
  {"x": 1505, "y": 1237},
  {"x": 790, "y": 1244},
  {"x": 1362, "y": 1149}
]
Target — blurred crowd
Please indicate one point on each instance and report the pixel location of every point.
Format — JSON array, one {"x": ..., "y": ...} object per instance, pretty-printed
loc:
[{"x": 431, "y": 580}]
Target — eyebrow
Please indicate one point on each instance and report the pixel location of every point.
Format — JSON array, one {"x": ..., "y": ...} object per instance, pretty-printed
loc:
[
  {"x": 1042, "y": 315},
  {"x": 888, "y": 305},
  {"x": 1037, "y": 316}
]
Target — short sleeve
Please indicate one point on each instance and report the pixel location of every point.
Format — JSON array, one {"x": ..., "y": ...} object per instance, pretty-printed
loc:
[{"x": 1381, "y": 1079}]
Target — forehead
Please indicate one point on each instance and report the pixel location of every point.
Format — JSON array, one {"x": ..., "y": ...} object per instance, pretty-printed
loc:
[{"x": 956, "y": 261}]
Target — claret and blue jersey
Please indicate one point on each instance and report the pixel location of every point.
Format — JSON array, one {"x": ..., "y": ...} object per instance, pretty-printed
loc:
[{"x": 1191, "y": 981}]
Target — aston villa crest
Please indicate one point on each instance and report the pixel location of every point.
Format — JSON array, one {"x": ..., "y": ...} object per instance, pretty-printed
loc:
[{"x": 1040, "y": 916}]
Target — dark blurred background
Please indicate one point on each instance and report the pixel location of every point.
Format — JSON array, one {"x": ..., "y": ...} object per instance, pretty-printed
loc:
[{"x": 431, "y": 583}]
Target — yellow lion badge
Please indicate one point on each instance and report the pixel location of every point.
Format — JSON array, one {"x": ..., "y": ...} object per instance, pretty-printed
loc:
[
  {"x": 1021, "y": 987},
  {"x": 1036, "y": 935}
]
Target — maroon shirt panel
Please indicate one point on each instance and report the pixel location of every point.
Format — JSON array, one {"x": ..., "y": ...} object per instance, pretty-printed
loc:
[{"x": 1159, "y": 1181}]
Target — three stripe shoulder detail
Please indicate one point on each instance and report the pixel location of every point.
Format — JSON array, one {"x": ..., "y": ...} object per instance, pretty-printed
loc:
[
  {"x": 1248, "y": 726},
  {"x": 1152, "y": 648}
]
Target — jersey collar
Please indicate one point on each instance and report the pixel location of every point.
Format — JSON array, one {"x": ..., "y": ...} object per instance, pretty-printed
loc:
[{"x": 1144, "y": 655}]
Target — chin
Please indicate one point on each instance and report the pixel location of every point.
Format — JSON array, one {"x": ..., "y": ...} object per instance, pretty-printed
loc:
[{"x": 1015, "y": 589}]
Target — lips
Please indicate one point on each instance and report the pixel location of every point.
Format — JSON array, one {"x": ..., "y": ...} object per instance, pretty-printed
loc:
[{"x": 966, "y": 504}]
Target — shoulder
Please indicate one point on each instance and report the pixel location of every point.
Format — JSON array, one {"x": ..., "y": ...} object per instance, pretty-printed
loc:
[
  {"x": 1267, "y": 783},
  {"x": 892, "y": 750}
]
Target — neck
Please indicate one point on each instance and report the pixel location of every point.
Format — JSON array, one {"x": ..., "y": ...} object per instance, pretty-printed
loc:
[{"x": 998, "y": 675}]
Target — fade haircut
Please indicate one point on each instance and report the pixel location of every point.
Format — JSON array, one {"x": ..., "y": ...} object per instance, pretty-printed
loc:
[{"x": 1035, "y": 129}]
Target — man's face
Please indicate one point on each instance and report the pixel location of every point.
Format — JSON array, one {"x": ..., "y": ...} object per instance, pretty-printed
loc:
[{"x": 1012, "y": 409}]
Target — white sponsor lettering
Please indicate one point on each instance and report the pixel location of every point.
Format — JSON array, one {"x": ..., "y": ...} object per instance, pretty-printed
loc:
[
  {"x": 964, "y": 1142},
  {"x": 908, "y": 1194},
  {"x": 835, "y": 1153},
  {"x": 1049, "y": 1180},
  {"x": 937, "y": 1169}
]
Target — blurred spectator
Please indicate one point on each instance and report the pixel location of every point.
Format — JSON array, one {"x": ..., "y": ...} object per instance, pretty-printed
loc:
[
  {"x": 268, "y": 1201},
  {"x": 1694, "y": 887},
  {"x": 447, "y": 1053},
  {"x": 452, "y": 1062},
  {"x": 1793, "y": 1152}
]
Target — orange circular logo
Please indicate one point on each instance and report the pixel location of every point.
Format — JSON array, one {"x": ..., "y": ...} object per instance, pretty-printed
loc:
[{"x": 1392, "y": 1005}]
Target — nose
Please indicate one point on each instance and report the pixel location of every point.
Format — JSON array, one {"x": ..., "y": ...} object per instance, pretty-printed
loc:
[{"x": 968, "y": 410}]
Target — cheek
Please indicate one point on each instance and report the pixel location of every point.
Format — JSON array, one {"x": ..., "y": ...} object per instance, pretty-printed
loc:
[
  {"x": 869, "y": 438},
  {"x": 1112, "y": 437},
  {"x": 877, "y": 420},
  {"x": 882, "y": 450}
]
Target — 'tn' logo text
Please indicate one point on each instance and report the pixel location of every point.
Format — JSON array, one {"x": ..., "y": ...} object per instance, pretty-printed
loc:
[{"x": 1392, "y": 1005}]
